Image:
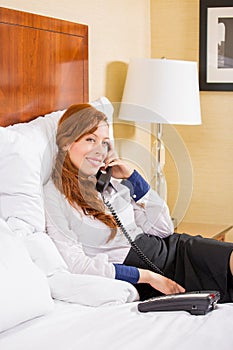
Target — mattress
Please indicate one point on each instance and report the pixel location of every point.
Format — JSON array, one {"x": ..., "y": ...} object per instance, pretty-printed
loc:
[{"x": 72, "y": 327}]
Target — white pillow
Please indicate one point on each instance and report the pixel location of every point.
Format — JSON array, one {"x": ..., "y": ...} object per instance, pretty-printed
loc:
[
  {"x": 74, "y": 288},
  {"x": 26, "y": 156},
  {"x": 44, "y": 253},
  {"x": 90, "y": 290},
  {"x": 25, "y": 293},
  {"x": 27, "y": 152}
]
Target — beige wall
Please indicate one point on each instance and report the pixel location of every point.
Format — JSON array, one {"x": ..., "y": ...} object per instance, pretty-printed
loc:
[{"x": 175, "y": 35}]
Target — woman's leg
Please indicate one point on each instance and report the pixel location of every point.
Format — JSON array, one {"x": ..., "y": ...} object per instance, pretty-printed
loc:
[
  {"x": 196, "y": 263},
  {"x": 206, "y": 264}
]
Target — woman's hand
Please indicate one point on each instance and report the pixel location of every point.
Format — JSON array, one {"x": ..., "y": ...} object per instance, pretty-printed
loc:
[
  {"x": 161, "y": 283},
  {"x": 120, "y": 170}
]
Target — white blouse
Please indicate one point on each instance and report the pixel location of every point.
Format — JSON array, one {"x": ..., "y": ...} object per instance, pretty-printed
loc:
[{"x": 83, "y": 240}]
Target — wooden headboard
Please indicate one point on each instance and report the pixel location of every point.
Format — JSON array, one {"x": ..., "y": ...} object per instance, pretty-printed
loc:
[{"x": 43, "y": 65}]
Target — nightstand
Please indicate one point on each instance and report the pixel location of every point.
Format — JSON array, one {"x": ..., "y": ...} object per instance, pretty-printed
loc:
[{"x": 206, "y": 230}]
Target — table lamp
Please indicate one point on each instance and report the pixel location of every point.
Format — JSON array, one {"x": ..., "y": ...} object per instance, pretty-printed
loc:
[{"x": 161, "y": 91}]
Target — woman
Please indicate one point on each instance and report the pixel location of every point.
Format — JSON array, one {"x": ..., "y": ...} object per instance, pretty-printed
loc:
[{"x": 87, "y": 233}]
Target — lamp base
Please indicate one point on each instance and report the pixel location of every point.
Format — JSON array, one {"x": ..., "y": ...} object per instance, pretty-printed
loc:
[{"x": 159, "y": 150}]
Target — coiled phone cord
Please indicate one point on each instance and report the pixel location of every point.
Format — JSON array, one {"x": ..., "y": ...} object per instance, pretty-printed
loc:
[{"x": 135, "y": 247}]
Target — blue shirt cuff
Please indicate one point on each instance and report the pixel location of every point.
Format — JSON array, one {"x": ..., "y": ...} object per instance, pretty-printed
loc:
[
  {"x": 126, "y": 273},
  {"x": 137, "y": 185}
]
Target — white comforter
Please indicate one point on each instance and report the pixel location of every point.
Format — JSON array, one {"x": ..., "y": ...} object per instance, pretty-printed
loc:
[{"x": 75, "y": 327}]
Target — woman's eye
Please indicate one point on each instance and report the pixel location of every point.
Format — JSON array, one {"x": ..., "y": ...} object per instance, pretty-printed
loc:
[
  {"x": 107, "y": 145},
  {"x": 90, "y": 139}
]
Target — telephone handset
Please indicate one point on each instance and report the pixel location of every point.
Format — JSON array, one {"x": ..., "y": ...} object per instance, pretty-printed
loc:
[{"x": 103, "y": 179}]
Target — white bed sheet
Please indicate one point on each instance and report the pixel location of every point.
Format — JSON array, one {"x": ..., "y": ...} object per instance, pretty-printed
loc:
[{"x": 75, "y": 327}]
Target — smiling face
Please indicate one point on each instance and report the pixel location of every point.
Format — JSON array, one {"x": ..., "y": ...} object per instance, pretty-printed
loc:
[{"x": 88, "y": 153}]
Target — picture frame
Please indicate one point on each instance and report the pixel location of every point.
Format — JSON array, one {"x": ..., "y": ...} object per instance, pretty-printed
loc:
[{"x": 216, "y": 45}]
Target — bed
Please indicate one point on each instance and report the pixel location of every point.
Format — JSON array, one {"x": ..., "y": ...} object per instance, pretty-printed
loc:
[{"x": 44, "y": 69}]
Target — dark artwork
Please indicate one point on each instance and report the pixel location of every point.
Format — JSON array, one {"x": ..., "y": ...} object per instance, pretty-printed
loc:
[{"x": 225, "y": 47}]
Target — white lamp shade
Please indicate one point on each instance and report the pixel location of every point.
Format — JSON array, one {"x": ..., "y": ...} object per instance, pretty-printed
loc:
[{"x": 161, "y": 91}]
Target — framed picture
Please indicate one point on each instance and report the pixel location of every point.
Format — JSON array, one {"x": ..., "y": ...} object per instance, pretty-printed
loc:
[{"x": 216, "y": 45}]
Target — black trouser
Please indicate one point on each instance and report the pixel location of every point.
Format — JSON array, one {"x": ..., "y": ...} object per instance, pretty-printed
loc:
[{"x": 194, "y": 262}]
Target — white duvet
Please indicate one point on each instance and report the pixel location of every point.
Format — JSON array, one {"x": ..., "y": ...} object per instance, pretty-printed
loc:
[{"x": 75, "y": 327}]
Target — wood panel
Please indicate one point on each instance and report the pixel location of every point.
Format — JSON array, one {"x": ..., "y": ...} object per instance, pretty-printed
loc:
[{"x": 43, "y": 65}]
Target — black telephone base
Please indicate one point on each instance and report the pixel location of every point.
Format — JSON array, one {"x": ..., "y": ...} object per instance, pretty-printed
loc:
[{"x": 196, "y": 303}]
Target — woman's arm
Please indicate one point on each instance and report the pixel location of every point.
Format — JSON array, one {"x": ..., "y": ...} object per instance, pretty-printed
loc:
[
  {"x": 72, "y": 250},
  {"x": 159, "y": 282},
  {"x": 151, "y": 212},
  {"x": 152, "y": 215}
]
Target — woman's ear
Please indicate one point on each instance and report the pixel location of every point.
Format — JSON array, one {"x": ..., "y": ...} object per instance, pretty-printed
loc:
[{"x": 66, "y": 148}]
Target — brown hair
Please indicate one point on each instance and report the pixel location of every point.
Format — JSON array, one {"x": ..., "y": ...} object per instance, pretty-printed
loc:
[{"x": 80, "y": 191}]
